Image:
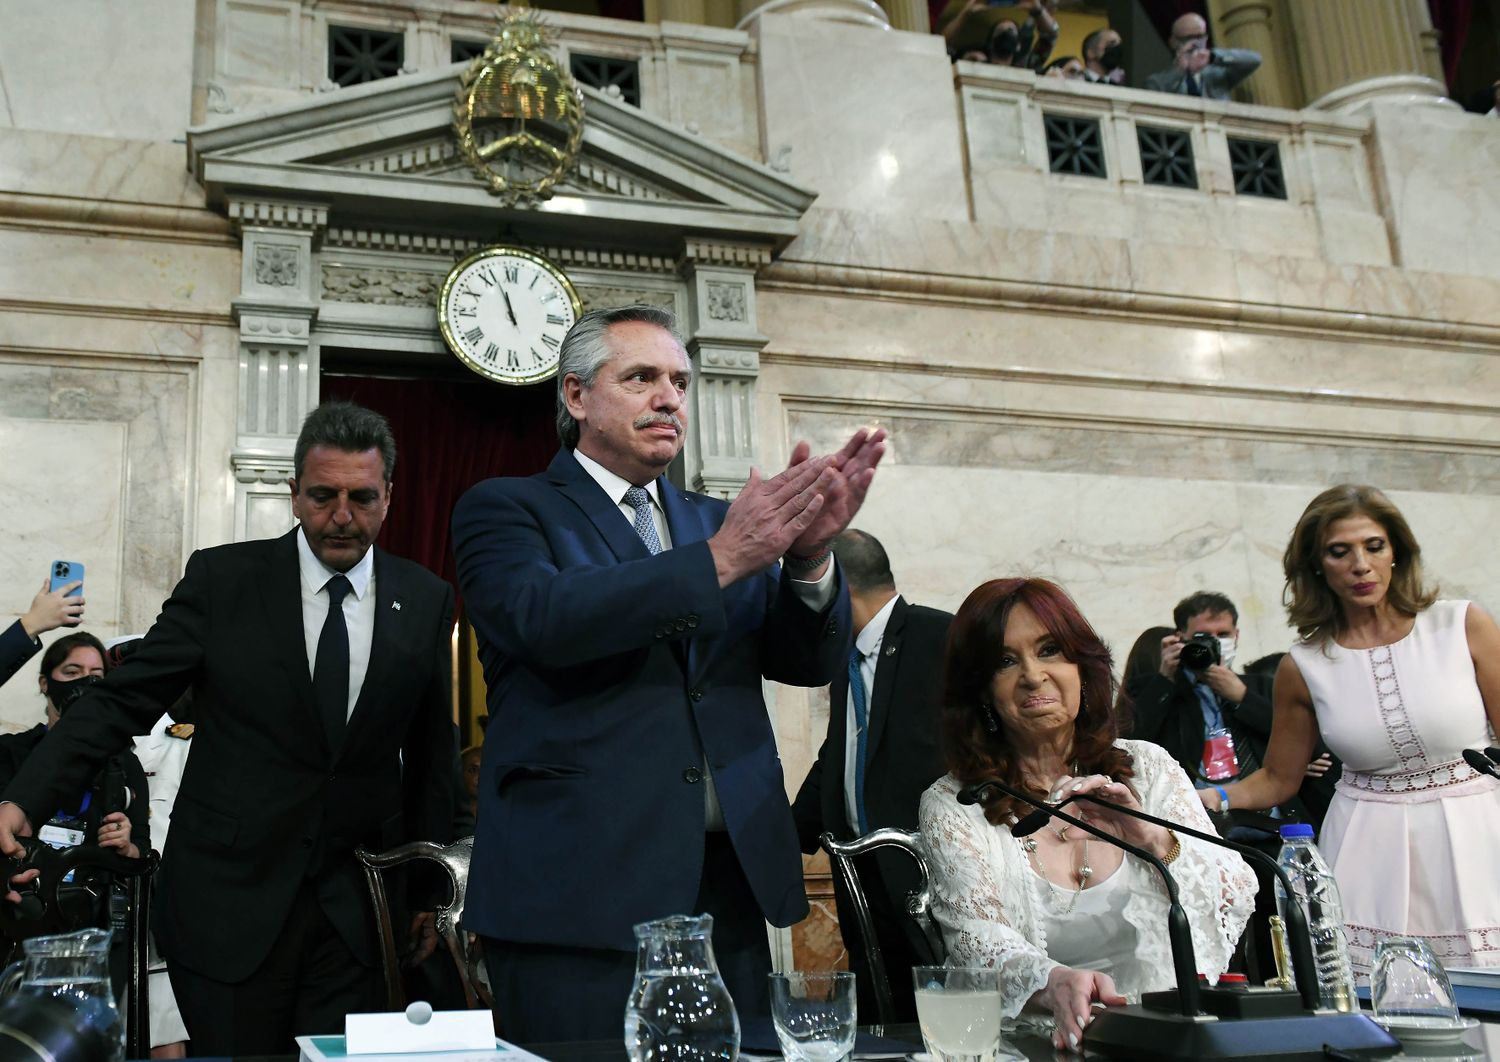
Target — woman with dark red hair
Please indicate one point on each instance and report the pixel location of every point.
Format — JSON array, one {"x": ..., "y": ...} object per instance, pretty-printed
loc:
[{"x": 1067, "y": 919}]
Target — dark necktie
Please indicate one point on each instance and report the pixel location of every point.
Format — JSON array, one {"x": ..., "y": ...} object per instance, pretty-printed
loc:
[
  {"x": 1193, "y": 88},
  {"x": 639, "y": 499},
  {"x": 331, "y": 665},
  {"x": 862, "y": 740}
]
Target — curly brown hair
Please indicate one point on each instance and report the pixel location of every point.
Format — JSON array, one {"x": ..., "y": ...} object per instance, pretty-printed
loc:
[
  {"x": 1311, "y": 607},
  {"x": 976, "y": 641}
]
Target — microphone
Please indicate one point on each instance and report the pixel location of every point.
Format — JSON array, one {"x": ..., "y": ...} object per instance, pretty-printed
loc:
[
  {"x": 1481, "y": 763},
  {"x": 1304, "y": 965},
  {"x": 1181, "y": 938},
  {"x": 1241, "y": 1023}
]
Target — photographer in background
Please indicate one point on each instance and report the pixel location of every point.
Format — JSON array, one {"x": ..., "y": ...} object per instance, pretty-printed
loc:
[
  {"x": 1216, "y": 723},
  {"x": 49, "y": 610},
  {"x": 1199, "y": 70},
  {"x": 113, "y": 810},
  {"x": 986, "y": 31}
]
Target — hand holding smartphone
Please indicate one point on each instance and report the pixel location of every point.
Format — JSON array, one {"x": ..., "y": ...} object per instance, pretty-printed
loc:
[{"x": 63, "y": 573}]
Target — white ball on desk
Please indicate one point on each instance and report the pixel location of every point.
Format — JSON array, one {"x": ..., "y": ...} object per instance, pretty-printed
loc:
[{"x": 419, "y": 1013}]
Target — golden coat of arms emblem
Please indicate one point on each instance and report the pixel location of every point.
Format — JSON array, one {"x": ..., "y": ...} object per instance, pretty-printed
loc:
[{"x": 518, "y": 115}]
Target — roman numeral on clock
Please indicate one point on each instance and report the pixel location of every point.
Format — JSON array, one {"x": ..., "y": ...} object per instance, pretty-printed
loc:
[
  {"x": 475, "y": 335},
  {"x": 512, "y": 274},
  {"x": 490, "y": 351},
  {"x": 555, "y": 318},
  {"x": 551, "y": 343},
  {"x": 512, "y": 360}
]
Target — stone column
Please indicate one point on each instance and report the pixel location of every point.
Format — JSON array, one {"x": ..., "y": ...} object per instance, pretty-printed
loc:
[
  {"x": 1260, "y": 26},
  {"x": 1351, "y": 53},
  {"x": 910, "y": 15},
  {"x": 725, "y": 346},
  {"x": 278, "y": 371}
]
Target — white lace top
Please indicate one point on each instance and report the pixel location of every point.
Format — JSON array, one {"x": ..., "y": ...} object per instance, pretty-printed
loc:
[{"x": 989, "y": 904}]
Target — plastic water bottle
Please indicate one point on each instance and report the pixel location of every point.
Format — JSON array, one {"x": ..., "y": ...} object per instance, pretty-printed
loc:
[{"x": 1319, "y": 895}]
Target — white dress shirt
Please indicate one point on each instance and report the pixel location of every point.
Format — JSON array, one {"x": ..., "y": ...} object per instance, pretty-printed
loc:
[
  {"x": 359, "y": 610},
  {"x": 867, "y": 644}
]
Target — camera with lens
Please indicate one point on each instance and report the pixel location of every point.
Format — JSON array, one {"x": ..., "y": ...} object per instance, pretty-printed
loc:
[{"x": 1200, "y": 652}]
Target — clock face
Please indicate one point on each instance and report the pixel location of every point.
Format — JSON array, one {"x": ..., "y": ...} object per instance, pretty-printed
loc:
[{"x": 504, "y": 312}]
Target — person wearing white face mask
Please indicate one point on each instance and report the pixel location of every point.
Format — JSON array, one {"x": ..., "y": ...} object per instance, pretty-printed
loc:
[
  {"x": 1216, "y": 723},
  {"x": 1213, "y": 720}
]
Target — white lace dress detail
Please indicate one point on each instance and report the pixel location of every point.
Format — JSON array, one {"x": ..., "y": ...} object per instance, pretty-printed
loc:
[{"x": 989, "y": 906}]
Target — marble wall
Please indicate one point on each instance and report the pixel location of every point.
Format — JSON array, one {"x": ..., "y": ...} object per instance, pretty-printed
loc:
[
  {"x": 116, "y": 376},
  {"x": 97, "y": 67}
]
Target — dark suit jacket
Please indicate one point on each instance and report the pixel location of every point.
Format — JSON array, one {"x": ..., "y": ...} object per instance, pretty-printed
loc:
[
  {"x": 605, "y": 665},
  {"x": 1167, "y": 712},
  {"x": 904, "y": 751},
  {"x": 16, "y": 647},
  {"x": 265, "y": 802}
]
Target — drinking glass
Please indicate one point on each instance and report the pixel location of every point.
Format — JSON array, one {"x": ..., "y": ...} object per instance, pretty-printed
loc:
[
  {"x": 1408, "y": 984},
  {"x": 814, "y": 1015},
  {"x": 959, "y": 1011}
]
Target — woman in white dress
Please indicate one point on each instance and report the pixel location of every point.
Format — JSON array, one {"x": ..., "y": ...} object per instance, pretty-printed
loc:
[
  {"x": 1067, "y": 920},
  {"x": 1398, "y": 685}
]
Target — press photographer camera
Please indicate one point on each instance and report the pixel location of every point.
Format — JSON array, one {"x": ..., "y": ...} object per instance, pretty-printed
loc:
[
  {"x": 82, "y": 848},
  {"x": 1200, "y": 652}
]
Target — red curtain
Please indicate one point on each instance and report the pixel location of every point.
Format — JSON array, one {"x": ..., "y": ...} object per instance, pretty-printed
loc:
[
  {"x": 449, "y": 436},
  {"x": 1451, "y": 19}
]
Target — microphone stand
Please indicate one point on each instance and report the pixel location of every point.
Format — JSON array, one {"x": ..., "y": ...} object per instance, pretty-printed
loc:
[
  {"x": 1184, "y": 963},
  {"x": 1304, "y": 965},
  {"x": 1265, "y": 1023}
]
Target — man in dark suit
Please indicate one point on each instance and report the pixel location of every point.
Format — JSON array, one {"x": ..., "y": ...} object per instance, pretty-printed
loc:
[
  {"x": 625, "y": 626},
  {"x": 881, "y": 752},
  {"x": 320, "y": 671}
]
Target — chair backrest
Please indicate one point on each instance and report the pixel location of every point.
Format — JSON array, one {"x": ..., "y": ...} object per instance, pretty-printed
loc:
[
  {"x": 454, "y": 859},
  {"x": 918, "y": 902}
]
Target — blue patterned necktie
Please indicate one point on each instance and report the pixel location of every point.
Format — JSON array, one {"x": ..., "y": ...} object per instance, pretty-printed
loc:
[
  {"x": 639, "y": 500},
  {"x": 862, "y": 726}
]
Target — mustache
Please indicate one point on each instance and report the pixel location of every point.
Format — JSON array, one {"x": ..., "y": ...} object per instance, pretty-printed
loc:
[{"x": 659, "y": 418}]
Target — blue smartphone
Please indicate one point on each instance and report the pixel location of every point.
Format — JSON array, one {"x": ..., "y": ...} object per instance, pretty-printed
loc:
[{"x": 63, "y": 573}]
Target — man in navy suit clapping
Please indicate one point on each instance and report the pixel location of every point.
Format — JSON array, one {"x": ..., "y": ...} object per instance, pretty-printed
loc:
[{"x": 625, "y": 627}]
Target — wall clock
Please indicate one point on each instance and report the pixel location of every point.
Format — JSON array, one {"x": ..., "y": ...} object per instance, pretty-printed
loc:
[{"x": 504, "y": 312}]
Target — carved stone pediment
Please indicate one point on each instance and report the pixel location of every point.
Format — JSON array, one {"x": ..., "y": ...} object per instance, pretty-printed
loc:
[{"x": 384, "y": 151}]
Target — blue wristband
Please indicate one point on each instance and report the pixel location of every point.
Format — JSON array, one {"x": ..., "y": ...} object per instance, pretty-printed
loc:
[{"x": 1223, "y": 799}]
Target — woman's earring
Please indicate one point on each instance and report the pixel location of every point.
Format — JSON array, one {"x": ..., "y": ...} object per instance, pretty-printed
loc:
[{"x": 991, "y": 721}]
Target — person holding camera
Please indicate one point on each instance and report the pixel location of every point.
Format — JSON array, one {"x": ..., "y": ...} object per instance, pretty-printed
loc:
[
  {"x": 1197, "y": 69},
  {"x": 1213, "y": 720}
]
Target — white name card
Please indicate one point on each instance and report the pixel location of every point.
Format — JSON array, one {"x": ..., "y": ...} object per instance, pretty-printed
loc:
[{"x": 419, "y": 1029}]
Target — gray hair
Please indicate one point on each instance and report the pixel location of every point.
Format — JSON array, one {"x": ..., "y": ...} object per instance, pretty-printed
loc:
[
  {"x": 585, "y": 349},
  {"x": 347, "y": 427}
]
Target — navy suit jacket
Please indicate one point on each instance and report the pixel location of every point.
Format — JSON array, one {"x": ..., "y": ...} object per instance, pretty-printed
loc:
[
  {"x": 605, "y": 668},
  {"x": 265, "y": 802}
]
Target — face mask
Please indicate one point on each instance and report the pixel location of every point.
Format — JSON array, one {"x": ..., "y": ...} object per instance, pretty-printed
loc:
[
  {"x": 1003, "y": 45},
  {"x": 1113, "y": 57},
  {"x": 1227, "y": 648},
  {"x": 62, "y": 693}
]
